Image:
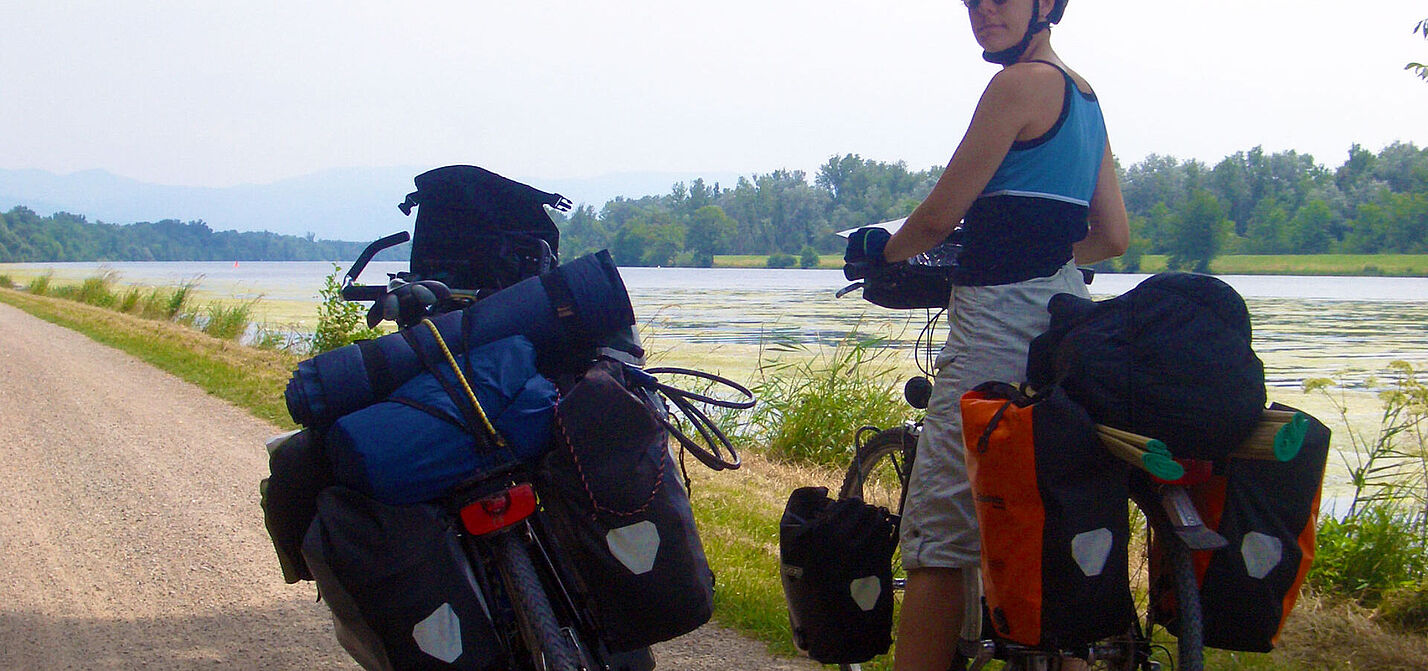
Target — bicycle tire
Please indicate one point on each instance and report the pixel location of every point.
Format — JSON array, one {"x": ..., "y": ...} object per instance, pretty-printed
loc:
[
  {"x": 898, "y": 445},
  {"x": 550, "y": 651},
  {"x": 1190, "y": 644}
]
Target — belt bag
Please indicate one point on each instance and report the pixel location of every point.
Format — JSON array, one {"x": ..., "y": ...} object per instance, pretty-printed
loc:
[{"x": 1052, "y": 507}]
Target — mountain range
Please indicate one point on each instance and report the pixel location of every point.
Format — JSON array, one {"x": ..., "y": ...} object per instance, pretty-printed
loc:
[{"x": 353, "y": 204}]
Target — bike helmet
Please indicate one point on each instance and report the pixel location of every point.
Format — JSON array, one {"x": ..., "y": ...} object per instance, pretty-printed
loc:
[{"x": 1011, "y": 54}]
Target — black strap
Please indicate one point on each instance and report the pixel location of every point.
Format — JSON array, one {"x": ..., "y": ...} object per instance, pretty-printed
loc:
[
  {"x": 562, "y": 302},
  {"x": 716, "y": 443},
  {"x": 473, "y": 426},
  {"x": 379, "y": 372},
  {"x": 434, "y": 412}
]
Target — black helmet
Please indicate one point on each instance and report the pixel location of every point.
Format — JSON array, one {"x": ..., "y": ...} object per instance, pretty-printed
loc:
[{"x": 1010, "y": 54}]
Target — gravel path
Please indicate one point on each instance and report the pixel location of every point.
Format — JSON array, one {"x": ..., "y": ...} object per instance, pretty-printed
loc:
[{"x": 131, "y": 535}]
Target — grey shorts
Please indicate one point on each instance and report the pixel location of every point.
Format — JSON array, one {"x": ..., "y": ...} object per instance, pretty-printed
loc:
[{"x": 990, "y": 331}]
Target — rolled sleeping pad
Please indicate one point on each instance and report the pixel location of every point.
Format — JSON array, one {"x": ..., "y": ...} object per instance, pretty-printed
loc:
[{"x": 578, "y": 304}]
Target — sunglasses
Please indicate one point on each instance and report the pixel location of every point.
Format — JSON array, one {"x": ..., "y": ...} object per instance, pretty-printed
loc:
[{"x": 975, "y": 4}]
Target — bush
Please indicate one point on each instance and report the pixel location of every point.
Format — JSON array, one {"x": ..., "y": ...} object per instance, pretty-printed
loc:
[
  {"x": 781, "y": 261},
  {"x": 809, "y": 409},
  {"x": 1368, "y": 554},
  {"x": 808, "y": 257},
  {"x": 339, "y": 323},
  {"x": 130, "y": 301},
  {"x": 40, "y": 286},
  {"x": 6, "y": 282},
  {"x": 229, "y": 322},
  {"x": 98, "y": 290},
  {"x": 1406, "y": 609}
]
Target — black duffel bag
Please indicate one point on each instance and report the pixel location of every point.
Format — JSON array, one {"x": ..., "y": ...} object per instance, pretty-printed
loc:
[
  {"x": 617, "y": 507},
  {"x": 836, "y": 567}
]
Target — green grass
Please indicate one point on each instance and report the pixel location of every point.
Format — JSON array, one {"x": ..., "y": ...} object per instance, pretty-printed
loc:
[{"x": 1395, "y": 265}]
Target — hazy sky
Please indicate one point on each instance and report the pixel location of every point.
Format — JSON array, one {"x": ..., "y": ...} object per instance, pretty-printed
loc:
[{"x": 221, "y": 93}]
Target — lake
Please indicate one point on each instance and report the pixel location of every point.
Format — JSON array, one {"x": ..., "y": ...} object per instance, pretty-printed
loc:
[{"x": 1305, "y": 327}]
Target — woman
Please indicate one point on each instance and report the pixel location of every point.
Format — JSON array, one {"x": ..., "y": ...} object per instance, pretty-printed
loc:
[{"x": 1033, "y": 184}]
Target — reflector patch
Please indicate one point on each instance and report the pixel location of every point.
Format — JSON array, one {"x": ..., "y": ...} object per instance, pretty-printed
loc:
[
  {"x": 439, "y": 635},
  {"x": 1261, "y": 553},
  {"x": 866, "y": 591},
  {"x": 635, "y": 546},
  {"x": 1091, "y": 549}
]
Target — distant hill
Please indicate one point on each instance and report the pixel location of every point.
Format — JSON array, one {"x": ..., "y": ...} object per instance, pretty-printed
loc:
[{"x": 355, "y": 204}]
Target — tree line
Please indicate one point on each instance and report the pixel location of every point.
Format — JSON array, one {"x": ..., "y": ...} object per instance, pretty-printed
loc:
[
  {"x": 28, "y": 237},
  {"x": 1252, "y": 202}
]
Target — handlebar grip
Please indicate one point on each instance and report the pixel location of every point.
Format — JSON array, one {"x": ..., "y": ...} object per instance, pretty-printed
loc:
[{"x": 363, "y": 292}]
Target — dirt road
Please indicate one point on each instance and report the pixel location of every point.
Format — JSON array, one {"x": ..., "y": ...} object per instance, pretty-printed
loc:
[{"x": 130, "y": 532}]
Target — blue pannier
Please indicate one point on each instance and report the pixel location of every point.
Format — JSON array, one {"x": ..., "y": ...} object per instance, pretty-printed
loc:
[{"x": 419, "y": 443}]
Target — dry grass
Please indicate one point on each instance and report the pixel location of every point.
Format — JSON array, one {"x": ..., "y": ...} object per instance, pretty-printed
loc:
[{"x": 1323, "y": 634}]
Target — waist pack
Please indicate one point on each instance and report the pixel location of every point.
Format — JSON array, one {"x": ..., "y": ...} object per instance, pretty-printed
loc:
[
  {"x": 836, "y": 568},
  {"x": 1052, "y": 506},
  {"x": 620, "y": 511},
  {"x": 1268, "y": 511},
  {"x": 400, "y": 591},
  {"x": 1171, "y": 358},
  {"x": 426, "y": 437}
]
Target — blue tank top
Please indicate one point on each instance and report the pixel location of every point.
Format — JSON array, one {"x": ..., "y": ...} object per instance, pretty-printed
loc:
[{"x": 1035, "y": 207}]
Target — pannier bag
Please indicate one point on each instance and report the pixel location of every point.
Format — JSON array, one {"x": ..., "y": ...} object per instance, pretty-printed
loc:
[
  {"x": 565, "y": 312},
  {"x": 835, "y": 562},
  {"x": 620, "y": 511},
  {"x": 1052, "y": 505},
  {"x": 478, "y": 230},
  {"x": 421, "y": 441},
  {"x": 1267, "y": 510},
  {"x": 396, "y": 581},
  {"x": 299, "y": 471},
  {"x": 1170, "y": 359}
]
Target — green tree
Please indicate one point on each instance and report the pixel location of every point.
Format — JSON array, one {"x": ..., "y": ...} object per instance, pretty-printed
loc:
[
  {"x": 1198, "y": 231},
  {"x": 708, "y": 233},
  {"x": 1418, "y": 68},
  {"x": 1309, "y": 230}
]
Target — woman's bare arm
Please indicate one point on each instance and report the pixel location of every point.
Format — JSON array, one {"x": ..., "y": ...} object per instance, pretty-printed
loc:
[
  {"x": 1012, "y": 100},
  {"x": 1108, "y": 234}
]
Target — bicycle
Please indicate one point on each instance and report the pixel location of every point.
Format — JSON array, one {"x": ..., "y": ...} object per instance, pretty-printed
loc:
[
  {"x": 879, "y": 474},
  {"x": 544, "y": 616}
]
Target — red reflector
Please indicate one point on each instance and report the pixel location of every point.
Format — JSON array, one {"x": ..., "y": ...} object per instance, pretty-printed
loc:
[{"x": 499, "y": 510}]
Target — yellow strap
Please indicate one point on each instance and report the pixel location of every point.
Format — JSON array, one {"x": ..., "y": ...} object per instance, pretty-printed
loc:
[{"x": 471, "y": 395}]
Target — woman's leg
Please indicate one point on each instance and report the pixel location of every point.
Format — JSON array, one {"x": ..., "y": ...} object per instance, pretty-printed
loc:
[{"x": 931, "y": 620}]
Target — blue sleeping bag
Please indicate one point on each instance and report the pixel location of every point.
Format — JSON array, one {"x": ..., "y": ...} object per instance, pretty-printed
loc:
[
  {"x": 418, "y": 443},
  {"x": 582, "y": 303}
]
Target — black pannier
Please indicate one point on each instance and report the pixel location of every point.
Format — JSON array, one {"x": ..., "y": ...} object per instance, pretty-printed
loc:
[
  {"x": 478, "y": 230},
  {"x": 1170, "y": 359},
  {"x": 395, "y": 578},
  {"x": 621, "y": 513},
  {"x": 1269, "y": 512},
  {"x": 836, "y": 568},
  {"x": 299, "y": 472}
]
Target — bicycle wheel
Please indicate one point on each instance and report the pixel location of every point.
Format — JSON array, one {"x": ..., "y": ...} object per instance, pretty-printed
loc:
[
  {"x": 550, "y": 650},
  {"x": 1191, "y": 641},
  {"x": 881, "y": 467}
]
